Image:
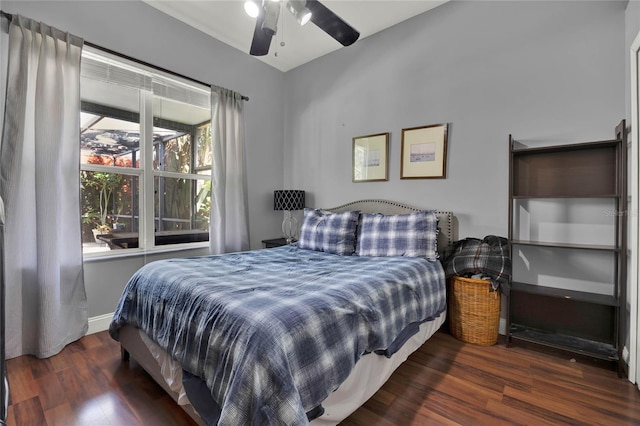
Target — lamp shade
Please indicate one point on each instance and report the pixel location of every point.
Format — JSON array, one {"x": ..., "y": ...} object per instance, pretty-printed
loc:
[{"x": 288, "y": 199}]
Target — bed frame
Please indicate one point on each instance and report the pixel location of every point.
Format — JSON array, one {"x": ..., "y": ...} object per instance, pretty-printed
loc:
[{"x": 369, "y": 374}]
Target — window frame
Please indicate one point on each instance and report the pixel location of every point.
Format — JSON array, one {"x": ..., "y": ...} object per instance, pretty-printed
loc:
[{"x": 146, "y": 174}]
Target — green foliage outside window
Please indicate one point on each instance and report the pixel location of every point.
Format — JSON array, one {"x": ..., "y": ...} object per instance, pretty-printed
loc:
[
  {"x": 203, "y": 204},
  {"x": 98, "y": 190},
  {"x": 203, "y": 147}
]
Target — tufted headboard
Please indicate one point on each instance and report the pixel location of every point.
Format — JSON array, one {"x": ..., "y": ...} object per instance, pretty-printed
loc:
[{"x": 445, "y": 219}]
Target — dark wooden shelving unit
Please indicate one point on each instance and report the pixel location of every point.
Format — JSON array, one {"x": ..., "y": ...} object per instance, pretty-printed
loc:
[
  {"x": 603, "y": 247},
  {"x": 573, "y": 320},
  {"x": 561, "y": 293},
  {"x": 585, "y": 347},
  {"x": 533, "y": 197}
]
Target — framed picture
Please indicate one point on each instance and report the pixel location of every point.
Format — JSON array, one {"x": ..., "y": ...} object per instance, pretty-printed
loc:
[
  {"x": 424, "y": 152},
  {"x": 370, "y": 158}
]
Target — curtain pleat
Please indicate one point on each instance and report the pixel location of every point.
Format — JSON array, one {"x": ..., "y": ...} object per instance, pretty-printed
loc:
[
  {"x": 229, "y": 224},
  {"x": 46, "y": 306}
]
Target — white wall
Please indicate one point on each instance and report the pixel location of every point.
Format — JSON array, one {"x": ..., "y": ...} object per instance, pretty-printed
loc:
[
  {"x": 632, "y": 27},
  {"x": 142, "y": 32},
  {"x": 543, "y": 71}
]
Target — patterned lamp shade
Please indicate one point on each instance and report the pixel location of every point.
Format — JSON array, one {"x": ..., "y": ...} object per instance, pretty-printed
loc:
[{"x": 288, "y": 200}]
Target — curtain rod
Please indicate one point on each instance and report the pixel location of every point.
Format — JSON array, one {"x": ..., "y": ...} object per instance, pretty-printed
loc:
[{"x": 9, "y": 17}]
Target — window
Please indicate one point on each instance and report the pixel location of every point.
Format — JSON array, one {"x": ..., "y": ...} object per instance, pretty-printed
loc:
[{"x": 145, "y": 143}]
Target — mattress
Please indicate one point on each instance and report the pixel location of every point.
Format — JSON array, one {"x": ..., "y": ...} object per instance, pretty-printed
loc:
[{"x": 368, "y": 375}]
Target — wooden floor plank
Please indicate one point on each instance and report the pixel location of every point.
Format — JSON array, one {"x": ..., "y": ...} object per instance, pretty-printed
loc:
[
  {"x": 60, "y": 415},
  {"x": 615, "y": 405},
  {"x": 19, "y": 375},
  {"x": 446, "y": 382},
  {"x": 29, "y": 413},
  {"x": 50, "y": 391},
  {"x": 515, "y": 415},
  {"x": 544, "y": 405}
]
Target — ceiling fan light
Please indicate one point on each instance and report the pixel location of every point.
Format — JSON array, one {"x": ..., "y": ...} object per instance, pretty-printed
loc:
[
  {"x": 306, "y": 16},
  {"x": 299, "y": 10},
  {"x": 251, "y": 8}
]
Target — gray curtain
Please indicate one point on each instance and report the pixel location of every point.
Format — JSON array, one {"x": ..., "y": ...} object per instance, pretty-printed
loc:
[
  {"x": 46, "y": 306},
  {"x": 229, "y": 224}
]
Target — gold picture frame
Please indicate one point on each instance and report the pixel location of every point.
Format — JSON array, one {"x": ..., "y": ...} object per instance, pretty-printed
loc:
[
  {"x": 370, "y": 158},
  {"x": 424, "y": 152}
]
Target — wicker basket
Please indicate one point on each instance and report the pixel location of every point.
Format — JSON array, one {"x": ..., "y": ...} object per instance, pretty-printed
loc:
[{"x": 474, "y": 311}]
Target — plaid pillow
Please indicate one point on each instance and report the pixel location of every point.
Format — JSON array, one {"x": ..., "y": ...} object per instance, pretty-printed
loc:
[
  {"x": 329, "y": 232},
  {"x": 410, "y": 235}
]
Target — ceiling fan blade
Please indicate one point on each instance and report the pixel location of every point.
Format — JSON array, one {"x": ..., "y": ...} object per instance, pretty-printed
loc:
[
  {"x": 331, "y": 23},
  {"x": 261, "y": 38}
]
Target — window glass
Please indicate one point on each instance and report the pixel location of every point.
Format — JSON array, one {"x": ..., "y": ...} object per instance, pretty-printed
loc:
[
  {"x": 182, "y": 204},
  {"x": 174, "y": 153},
  {"x": 109, "y": 146},
  {"x": 174, "y": 150},
  {"x": 109, "y": 209},
  {"x": 203, "y": 147},
  {"x": 109, "y": 141}
]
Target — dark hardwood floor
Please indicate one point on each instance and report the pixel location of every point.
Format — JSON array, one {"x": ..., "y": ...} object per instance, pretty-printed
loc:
[{"x": 445, "y": 382}]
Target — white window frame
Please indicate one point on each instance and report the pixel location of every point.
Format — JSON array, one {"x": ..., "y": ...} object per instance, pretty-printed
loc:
[{"x": 146, "y": 175}]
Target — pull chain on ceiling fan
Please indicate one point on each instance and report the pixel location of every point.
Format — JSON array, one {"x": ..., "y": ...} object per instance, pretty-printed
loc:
[
  {"x": 266, "y": 13},
  {"x": 281, "y": 32}
]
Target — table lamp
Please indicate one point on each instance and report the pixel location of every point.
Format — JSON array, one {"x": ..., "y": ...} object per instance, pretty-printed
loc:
[{"x": 288, "y": 200}]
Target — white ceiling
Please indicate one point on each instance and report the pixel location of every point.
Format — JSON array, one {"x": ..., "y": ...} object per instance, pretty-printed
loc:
[{"x": 226, "y": 21}]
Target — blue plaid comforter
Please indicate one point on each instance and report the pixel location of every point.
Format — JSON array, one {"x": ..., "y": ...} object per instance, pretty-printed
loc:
[{"x": 273, "y": 332}]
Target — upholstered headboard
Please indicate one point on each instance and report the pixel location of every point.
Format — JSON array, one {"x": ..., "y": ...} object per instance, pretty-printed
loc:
[{"x": 445, "y": 219}]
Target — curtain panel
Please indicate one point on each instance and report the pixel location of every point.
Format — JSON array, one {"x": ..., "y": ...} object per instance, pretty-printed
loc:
[
  {"x": 46, "y": 306},
  {"x": 229, "y": 224}
]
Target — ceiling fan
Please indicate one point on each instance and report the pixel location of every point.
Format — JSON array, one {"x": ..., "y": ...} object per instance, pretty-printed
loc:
[{"x": 267, "y": 12}]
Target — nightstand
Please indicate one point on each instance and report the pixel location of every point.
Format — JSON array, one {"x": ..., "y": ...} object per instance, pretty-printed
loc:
[{"x": 275, "y": 242}]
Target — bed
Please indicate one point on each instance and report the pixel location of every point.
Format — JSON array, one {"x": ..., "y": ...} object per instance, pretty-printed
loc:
[{"x": 325, "y": 342}]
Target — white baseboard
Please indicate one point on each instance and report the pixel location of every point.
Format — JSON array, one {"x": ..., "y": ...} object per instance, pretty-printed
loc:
[{"x": 99, "y": 323}]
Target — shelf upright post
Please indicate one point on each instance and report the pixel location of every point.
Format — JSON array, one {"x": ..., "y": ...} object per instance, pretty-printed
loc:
[{"x": 509, "y": 238}]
